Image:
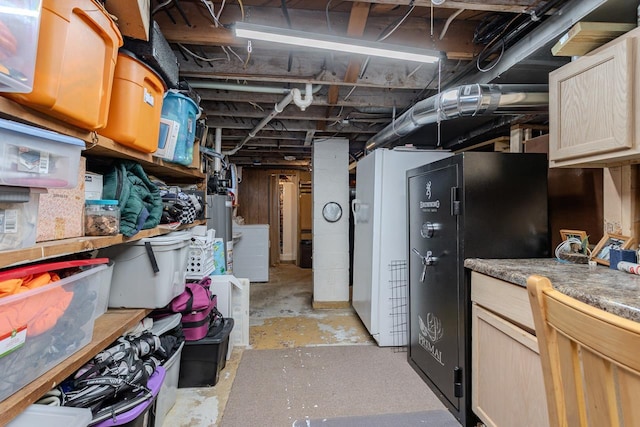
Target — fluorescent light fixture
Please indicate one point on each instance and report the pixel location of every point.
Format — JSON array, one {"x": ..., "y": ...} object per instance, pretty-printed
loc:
[{"x": 330, "y": 42}]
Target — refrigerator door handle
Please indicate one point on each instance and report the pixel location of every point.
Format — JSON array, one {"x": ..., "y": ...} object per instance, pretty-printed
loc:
[{"x": 360, "y": 211}]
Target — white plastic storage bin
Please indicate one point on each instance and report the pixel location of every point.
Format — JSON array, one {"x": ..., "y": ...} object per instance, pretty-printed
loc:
[
  {"x": 34, "y": 157},
  {"x": 169, "y": 389},
  {"x": 144, "y": 281},
  {"x": 52, "y": 416},
  {"x": 44, "y": 326}
]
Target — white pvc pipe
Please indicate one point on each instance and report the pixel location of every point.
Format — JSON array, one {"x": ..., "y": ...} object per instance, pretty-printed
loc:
[
  {"x": 217, "y": 163},
  {"x": 308, "y": 97}
]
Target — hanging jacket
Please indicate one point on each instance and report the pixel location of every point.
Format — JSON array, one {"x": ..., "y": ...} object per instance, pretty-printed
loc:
[{"x": 138, "y": 198}]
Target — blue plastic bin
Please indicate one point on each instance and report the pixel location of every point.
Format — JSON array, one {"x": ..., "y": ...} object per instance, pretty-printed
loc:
[{"x": 184, "y": 112}]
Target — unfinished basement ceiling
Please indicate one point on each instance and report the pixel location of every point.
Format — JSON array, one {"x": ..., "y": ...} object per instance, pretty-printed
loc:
[{"x": 354, "y": 96}]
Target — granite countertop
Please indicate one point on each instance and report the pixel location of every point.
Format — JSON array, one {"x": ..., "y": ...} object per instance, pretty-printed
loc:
[{"x": 611, "y": 290}]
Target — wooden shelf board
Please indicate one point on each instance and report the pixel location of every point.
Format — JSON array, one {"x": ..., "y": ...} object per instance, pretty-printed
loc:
[
  {"x": 107, "y": 329},
  {"x": 102, "y": 147},
  {"x": 56, "y": 248},
  {"x": 153, "y": 165},
  {"x": 14, "y": 111}
]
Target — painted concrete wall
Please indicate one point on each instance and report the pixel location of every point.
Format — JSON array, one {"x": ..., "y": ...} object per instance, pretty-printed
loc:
[{"x": 330, "y": 240}]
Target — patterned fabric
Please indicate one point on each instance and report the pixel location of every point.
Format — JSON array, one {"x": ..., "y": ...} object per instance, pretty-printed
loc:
[{"x": 179, "y": 207}]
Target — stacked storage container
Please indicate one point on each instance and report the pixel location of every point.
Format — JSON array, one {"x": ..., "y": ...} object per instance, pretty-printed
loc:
[
  {"x": 40, "y": 320},
  {"x": 136, "y": 105},
  {"x": 150, "y": 272},
  {"x": 75, "y": 62}
]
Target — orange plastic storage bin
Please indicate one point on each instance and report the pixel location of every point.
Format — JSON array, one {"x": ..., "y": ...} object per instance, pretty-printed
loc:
[
  {"x": 136, "y": 105},
  {"x": 77, "y": 49}
]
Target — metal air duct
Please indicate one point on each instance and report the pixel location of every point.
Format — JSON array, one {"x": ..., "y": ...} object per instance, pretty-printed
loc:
[{"x": 464, "y": 101}]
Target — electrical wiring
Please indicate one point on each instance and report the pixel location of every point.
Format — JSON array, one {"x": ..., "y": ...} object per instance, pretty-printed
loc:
[
  {"x": 181, "y": 46},
  {"x": 256, "y": 105},
  {"x": 234, "y": 53},
  {"x": 383, "y": 36},
  {"x": 212, "y": 13},
  {"x": 241, "y": 9},
  {"x": 249, "y": 49},
  {"x": 415, "y": 70},
  {"x": 220, "y": 10},
  {"x": 496, "y": 62},
  {"x": 449, "y": 21},
  {"x": 160, "y": 7},
  {"x": 350, "y": 92},
  {"x": 326, "y": 12}
]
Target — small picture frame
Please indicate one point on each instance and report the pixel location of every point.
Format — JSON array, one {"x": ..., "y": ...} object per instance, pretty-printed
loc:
[
  {"x": 600, "y": 253},
  {"x": 578, "y": 234}
]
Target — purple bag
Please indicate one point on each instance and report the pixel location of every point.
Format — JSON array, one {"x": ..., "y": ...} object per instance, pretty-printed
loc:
[
  {"x": 198, "y": 308},
  {"x": 196, "y": 297}
]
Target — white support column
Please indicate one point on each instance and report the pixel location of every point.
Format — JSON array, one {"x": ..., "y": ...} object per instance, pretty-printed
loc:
[{"x": 330, "y": 239}]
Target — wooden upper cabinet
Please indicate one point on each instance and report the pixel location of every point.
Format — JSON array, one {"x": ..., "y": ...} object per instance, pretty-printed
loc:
[{"x": 593, "y": 111}]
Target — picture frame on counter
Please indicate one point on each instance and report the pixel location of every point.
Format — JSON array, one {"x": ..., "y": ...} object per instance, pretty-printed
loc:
[
  {"x": 578, "y": 234},
  {"x": 581, "y": 235},
  {"x": 608, "y": 242}
]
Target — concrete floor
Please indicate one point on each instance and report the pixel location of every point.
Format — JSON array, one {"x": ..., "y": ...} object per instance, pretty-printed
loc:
[{"x": 281, "y": 316}]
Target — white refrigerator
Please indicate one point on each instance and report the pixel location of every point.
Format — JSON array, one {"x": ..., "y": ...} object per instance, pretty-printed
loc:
[
  {"x": 380, "y": 236},
  {"x": 251, "y": 252}
]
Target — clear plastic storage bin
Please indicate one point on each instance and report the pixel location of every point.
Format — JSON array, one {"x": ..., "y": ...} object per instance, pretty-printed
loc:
[
  {"x": 19, "y": 27},
  {"x": 42, "y": 327},
  {"x": 34, "y": 157}
]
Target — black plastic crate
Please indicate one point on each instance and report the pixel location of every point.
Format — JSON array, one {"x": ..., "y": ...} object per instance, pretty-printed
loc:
[{"x": 202, "y": 360}]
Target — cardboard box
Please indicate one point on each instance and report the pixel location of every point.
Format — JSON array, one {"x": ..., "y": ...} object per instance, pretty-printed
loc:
[
  {"x": 61, "y": 211},
  {"x": 92, "y": 186}
]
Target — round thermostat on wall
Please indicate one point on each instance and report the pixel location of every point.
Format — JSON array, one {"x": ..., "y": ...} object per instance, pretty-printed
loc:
[{"x": 332, "y": 212}]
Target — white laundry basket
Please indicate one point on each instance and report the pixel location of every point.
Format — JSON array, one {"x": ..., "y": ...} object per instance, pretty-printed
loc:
[{"x": 136, "y": 283}]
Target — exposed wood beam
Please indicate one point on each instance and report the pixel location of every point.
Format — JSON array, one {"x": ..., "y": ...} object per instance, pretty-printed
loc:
[
  {"x": 356, "y": 26},
  {"x": 514, "y": 6},
  {"x": 413, "y": 30},
  {"x": 382, "y": 73}
]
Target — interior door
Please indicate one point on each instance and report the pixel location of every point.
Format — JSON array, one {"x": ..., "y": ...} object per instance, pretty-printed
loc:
[{"x": 434, "y": 309}]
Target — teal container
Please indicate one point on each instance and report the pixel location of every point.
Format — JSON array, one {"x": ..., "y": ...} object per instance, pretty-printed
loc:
[{"x": 184, "y": 111}]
